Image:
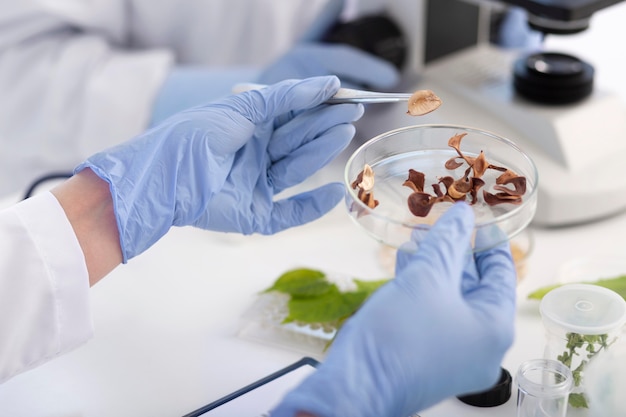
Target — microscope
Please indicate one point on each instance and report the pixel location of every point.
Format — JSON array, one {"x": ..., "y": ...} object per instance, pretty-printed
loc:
[{"x": 544, "y": 101}]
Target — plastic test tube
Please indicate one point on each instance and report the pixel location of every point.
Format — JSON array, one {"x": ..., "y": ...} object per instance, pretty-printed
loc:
[{"x": 543, "y": 388}]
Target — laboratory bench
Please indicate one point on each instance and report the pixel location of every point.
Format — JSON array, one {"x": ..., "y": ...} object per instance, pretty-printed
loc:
[{"x": 167, "y": 324}]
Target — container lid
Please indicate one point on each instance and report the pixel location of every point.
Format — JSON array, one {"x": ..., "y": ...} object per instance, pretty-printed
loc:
[
  {"x": 584, "y": 308},
  {"x": 494, "y": 396}
]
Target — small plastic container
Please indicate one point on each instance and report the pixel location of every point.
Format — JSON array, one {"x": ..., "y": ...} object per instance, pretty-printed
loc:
[
  {"x": 425, "y": 149},
  {"x": 543, "y": 388},
  {"x": 582, "y": 322},
  {"x": 606, "y": 383}
]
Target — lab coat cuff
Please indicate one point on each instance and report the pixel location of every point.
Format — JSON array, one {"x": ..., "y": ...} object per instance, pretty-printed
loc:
[{"x": 68, "y": 278}]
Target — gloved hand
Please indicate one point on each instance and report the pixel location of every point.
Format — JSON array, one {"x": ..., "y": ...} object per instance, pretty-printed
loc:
[
  {"x": 420, "y": 338},
  {"x": 515, "y": 32},
  {"x": 219, "y": 166},
  {"x": 355, "y": 68},
  {"x": 309, "y": 58}
]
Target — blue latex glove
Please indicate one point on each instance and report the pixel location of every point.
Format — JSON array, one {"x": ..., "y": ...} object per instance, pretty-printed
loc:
[
  {"x": 354, "y": 67},
  {"x": 515, "y": 32},
  {"x": 327, "y": 17},
  {"x": 219, "y": 166},
  {"x": 421, "y": 337},
  {"x": 309, "y": 58}
]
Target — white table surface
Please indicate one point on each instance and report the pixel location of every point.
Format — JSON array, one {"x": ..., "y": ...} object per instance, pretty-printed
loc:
[{"x": 166, "y": 324}]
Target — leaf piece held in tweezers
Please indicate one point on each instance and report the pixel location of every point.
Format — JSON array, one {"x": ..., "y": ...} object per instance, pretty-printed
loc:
[{"x": 423, "y": 102}]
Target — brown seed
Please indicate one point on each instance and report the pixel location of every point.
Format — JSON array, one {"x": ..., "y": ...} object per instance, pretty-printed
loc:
[{"x": 423, "y": 102}]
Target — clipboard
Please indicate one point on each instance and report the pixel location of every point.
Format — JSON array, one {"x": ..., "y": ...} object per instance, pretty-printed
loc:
[{"x": 256, "y": 399}]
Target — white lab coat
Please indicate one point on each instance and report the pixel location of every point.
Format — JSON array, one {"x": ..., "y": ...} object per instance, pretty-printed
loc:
[
  {"x": 44, "y": 286},
  {"x": 77, "y": 76}
]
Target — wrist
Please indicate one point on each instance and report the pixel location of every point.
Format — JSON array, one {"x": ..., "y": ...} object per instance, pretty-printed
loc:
[{"x": 88, "y": 205}]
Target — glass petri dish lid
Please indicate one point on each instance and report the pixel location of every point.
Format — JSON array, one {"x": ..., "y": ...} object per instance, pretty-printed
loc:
[{"x": 440, "y": 153}]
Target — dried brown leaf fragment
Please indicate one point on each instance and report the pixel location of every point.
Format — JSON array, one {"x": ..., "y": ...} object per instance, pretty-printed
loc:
[
  {"x": 501, "y": 198},
  {"x": 365, "y": 179},
  {"x": 453, "y": 163},
  {"x": 364, "y": 182},
  {"x": 477, "y": 184},
  {"x": 423, "y": 102},
  {"x": 368, "y": 199},
  {"x": 455, "y": 143},
  {"x": 480, "y": 165},
  {"x": 415, "y": 181},
  {"x": 420, "y": 203},
  {"x": 467, "y": 186},
  {"x": 511, "y": 178}
]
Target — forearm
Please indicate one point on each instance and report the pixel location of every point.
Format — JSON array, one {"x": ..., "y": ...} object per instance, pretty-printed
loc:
[{"x": 87, "y": 202}]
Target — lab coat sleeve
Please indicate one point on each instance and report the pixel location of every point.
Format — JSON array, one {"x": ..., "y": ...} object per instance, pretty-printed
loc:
[
  {"x": 71, "y": 83},
  {"x": 44, "y": 286}
]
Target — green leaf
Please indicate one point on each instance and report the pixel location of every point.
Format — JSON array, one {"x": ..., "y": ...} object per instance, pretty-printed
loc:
[
  {"x": 538, "y": 294},
  {"x": 578, "y": 400},
  {"x": 617, "y": 284},
  {"x": 370, "y": 286},
  {"x": 329, "y": 307},
  {"x": 302, "y": 283}
]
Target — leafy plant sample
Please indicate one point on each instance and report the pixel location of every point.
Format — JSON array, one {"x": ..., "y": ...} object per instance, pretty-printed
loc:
[
  {"x": 584, "y": 347},
  {"x": 579, "y": 346},
  {"x": 617, "y": 284},
  {"x": 313, "y": 299}
]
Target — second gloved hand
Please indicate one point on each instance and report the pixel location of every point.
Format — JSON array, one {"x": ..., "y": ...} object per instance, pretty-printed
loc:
[
  {"x": 219, "y": 166},
  {"x": 311, "y": 57},
  {"x": 439, "y": 329},
  {"x": 355, "y": 68}
]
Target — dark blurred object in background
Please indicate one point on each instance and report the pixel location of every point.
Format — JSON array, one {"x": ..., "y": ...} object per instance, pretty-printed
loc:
[{"x": 376, "y": 34}]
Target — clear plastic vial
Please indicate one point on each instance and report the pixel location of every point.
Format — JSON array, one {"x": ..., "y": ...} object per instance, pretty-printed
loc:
[
  {"x": 543, "y": 388},
  {"x": 582, "y": 322}
]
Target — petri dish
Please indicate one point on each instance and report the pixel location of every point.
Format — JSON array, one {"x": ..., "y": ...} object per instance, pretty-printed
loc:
[{"x": 424, "y": 148}]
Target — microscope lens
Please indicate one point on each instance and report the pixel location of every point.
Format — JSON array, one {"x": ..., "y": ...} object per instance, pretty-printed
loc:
[
  {"x": 553, "y": 78},
  {"x": 555, "y": 64}
]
